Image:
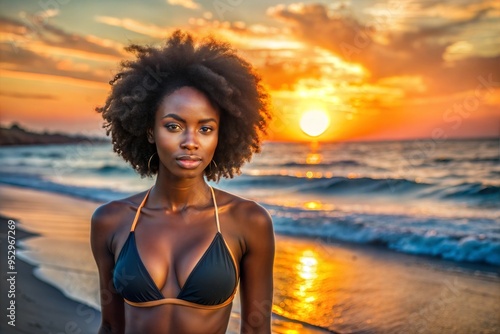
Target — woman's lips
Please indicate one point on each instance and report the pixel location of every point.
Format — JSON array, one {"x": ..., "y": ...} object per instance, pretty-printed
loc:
[{"x": 188, "y": 161}]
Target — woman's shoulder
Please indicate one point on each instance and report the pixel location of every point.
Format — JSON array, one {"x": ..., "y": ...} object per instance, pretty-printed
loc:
[
  {"x": 252, "y": 222},
  {"x": 246, "y": 212},
  {"x": 112, "y": 213}
]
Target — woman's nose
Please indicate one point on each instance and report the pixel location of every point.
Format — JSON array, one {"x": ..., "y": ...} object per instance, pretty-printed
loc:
[{"x": 189, "y": 142}]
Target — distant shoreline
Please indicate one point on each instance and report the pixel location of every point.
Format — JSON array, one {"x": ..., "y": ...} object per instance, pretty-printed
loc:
[{"x": 18, "y": 136}]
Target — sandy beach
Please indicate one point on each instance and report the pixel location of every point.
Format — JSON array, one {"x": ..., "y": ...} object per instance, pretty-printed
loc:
[
  {"x": 39, "y": 307},
  {"x": 320, "y": 286}
]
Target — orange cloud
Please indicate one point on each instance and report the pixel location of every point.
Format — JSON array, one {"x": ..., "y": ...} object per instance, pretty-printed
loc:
[
  {"x": 35, "y": 96},
  {"x": 135, "y": 26},
  {"x": 41, "y": 50},
  {"x": 190, "y": 4},
  {"x": 419, "y": 52},
  {"x": 53, "y": 36},
  {"x": 22, "y": 60},
  {"x": 57, "y": 78}
]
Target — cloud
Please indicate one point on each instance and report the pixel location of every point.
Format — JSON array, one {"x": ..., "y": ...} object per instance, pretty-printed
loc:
[
  {"x": 18, "y": 95},
  {"x": 284, "y": 74},
  {"x": 190, "y": 4},
  {"x": 241, "y": 36},
  {"x": 54, "y": 36},
  {"x": 24, "y": 33},
  {"x": 416, "y": 50},
  {"x": 146, "y": 29},
  {"x": 52, "y": 12},
  {"x": 24, "y": 60},
  {"x": 8, "y": 25},
  {"x": 458, "y": 10},
  {"x": 315, "y": 24},
  {"x": 45, "y": 51}
]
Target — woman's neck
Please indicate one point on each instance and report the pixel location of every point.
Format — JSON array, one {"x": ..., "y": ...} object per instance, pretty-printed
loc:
[{"x": 176, "y": 194}]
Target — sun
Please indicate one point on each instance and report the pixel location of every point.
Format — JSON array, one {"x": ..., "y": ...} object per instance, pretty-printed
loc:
[{"x": 314, "y": 122}]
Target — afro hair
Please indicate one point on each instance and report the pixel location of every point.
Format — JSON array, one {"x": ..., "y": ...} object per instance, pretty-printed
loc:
[{"x": 209, "y": 65}]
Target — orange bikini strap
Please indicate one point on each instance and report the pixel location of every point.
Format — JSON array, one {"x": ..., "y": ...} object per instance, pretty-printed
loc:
[
  {"x": 216, "y": 209},
  {"x": 138, "y": 213},
  {"x": 182, "y": 302}
]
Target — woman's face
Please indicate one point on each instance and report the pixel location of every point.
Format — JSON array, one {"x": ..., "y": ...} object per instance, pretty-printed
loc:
[{"x": 185, "y": 132}]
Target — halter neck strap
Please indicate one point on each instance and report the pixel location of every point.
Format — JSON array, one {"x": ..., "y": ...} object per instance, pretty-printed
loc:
[
  {"x": 216, "y": 209},
  {"x": 138, "y": 213}
]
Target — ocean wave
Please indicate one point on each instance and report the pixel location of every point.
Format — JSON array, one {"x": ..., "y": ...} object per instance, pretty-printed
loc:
[
  {"x": 337, "y": 184},
  {"x": 459, "y": 239},
  {"x": 475, "y": 194},
  {"x": 447, "y": 160},
  {"x": 23, "y": 164},
  {"x": 41, "y": 155},
  {"x": 350, "y": 163},
  {"x": 413, "y": 235},
  {"x": 111, "y": 169},
  {"x": 443, "y": 160},
  {"x": 495, "y": 159},
  {"x": 479, "y": 193},
  {"x": 473, "y": 190},
  {"x": 368, "y": 185},
  {"x": 35, "y": 182}
]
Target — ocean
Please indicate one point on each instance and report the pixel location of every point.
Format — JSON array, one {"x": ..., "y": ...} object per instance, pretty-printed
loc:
[
  {"x": 419, "y": 197},
  {"x": 431, "y": 199}
]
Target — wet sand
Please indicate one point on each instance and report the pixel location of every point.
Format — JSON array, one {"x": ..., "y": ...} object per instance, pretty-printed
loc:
[
  {"x": 320, "y": 286},
  {"x": 39, "y": 307}
]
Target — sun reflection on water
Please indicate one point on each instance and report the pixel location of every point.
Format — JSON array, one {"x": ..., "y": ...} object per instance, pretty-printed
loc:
[
  {"x": 313, "y": 158},
  {"x": 307, "y": 270},
  {"x": 313, "y": 205},
  {"x": 306, "y": 282},
  {"x": 305, "y": 288}
]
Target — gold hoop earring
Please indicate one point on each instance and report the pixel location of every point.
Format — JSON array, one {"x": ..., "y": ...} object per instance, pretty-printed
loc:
[{"x": 149, "y": 161}]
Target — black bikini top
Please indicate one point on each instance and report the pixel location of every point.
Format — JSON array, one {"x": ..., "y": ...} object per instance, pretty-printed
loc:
[{"x": 212, "y": 283}]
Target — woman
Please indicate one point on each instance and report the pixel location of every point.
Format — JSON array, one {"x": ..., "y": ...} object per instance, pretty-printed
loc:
[{"x": 170, "y": 258}]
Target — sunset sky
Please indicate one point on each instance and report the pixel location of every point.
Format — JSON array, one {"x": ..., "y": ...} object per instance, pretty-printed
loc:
[{"x": 379, "y": 69}]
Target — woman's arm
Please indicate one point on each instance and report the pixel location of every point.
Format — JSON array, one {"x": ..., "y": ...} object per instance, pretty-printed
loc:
[
  {"x": 256, "y": 271},
  {"x": 112, "y": 309}
]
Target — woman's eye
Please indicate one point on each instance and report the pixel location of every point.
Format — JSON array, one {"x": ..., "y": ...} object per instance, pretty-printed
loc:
[
  {"x": 205, "y": 129},
  {"x": 172, "y": 127}
]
